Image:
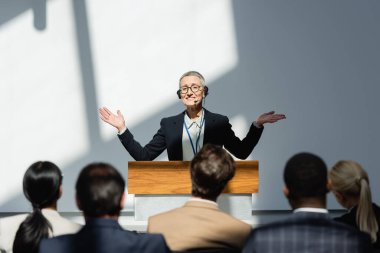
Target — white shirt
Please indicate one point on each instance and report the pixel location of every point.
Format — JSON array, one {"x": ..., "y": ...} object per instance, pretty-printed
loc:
[
  {"x": 10, "y": 225},
  {"x": 310, "y": 209},
  {"x": 196, "y": 131}
]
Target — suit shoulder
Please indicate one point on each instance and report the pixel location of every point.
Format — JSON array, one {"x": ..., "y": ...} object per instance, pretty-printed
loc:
[
  {"x": 376, "y": 208},
  {"x": 293, "y": 222},
  {"x": 170, "y": 119},
  {"x": 348, "y": 218},
  {"x": 152, "y": 236},
  {"x": 163, "y": 214},
  {"x": 56, "y": 244},
  {"x": 59, "y": 239},
  {"x": 225, "y": 217},
  {"x": 174, "y": 117},
  {"x": 156, "y": 222},
  {"x": 152, "y": 243},
  {"x": 216, "y": 115},
  {"x": 182, "y": 114}
]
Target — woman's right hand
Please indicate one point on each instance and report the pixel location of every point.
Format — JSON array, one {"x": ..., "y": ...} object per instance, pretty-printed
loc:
[{"x": 114, "y": 120}]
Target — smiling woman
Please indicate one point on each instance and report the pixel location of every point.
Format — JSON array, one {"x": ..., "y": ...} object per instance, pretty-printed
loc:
[
  {"x": 195, "y": 83},
  {"x": 184, "y": 134}
]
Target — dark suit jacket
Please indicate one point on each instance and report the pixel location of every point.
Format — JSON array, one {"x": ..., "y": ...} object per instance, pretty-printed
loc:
[
  {"x": 307, "y": 232},
  {"x": 104, "y": 236},
  {"x": 350, "y": 219},
  {"x": 217, "y": 131}
]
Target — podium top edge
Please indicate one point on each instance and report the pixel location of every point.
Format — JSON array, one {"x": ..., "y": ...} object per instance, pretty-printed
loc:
[
  {"x": 239, "y": 163},
  {"x": 180, "y": 162}
]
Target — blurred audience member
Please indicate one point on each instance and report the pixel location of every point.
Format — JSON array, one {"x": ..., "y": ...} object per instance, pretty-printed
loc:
[
  {"x": 309, "y": 229},
  {"x": 350, "y": 185},
  {"x": 100, "y": 195},
  {"x": 200, "y": 223},
  {"x": 42, "y": 185}
]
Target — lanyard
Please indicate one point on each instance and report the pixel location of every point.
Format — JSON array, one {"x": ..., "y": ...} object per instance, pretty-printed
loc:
[{"x": 195, "y": 149}]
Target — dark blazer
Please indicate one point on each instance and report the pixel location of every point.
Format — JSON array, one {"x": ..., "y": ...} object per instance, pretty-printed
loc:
[
  {"x": 104, "y": 236},
  {"x": 217, "y": 131},
  {"x": 307, "y": 232},
  {"x": 350, "y": 219}
]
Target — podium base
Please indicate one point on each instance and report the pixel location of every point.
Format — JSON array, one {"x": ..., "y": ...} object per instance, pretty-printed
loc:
[{"x": 237, "y": 205}]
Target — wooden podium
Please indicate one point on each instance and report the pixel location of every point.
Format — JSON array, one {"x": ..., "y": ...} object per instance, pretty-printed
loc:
[
  {"x": 158, "y": 186},
  {"x": 173, "y": 177}
]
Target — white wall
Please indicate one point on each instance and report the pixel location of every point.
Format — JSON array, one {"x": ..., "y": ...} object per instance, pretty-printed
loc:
[{"x": 60, "y": 60}]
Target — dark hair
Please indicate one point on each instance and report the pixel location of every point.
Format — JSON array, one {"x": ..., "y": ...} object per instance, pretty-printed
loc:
[
  {"x": 211, "y": 169},
  {"x": 99, "y": 189},
  {"x": 305, "y": 175},
  {"x": 41, "y": 185}
]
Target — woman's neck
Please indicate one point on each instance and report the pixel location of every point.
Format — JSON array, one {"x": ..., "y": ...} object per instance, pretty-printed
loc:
[
  {"x": 52, "y": 206},
  {"x": 351, "y": 202},
  {"x": 194, "y": 112}
]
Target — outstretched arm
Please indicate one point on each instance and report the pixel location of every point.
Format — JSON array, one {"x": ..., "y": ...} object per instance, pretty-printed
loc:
[
  {"x": 147, "y": 153},
  {"x": 114, "y": 120},
  {"x": 269, "y": 117},
  {"x": 242, "y": 148}
]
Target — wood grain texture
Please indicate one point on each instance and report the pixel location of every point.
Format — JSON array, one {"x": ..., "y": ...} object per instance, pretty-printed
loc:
[{"x": 173, "y": 177}]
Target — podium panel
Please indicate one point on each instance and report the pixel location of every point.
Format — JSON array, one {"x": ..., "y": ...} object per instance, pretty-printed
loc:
[
  {"x": 173, "y": 177},
  {"x": 161, "y": 186}
]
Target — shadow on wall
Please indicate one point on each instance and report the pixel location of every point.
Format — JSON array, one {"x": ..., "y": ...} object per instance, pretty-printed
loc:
[
  {"x": 315, "y": 61},
  {"x": 223, "y": 91},
  {"x": 14, "y": 8}
]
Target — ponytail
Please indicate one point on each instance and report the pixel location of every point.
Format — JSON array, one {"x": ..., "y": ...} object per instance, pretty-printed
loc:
[
  {"x": 41, "y": 185},
  {"x": 365, "y": 216},
  {"x": 30, "y": 233},
  {"x": 350, "y": 179}
]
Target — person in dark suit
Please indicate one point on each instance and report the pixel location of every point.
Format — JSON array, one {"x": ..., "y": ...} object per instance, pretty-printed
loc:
[
  {"x": 309, "y": 229},
  {"x": 100, "y": 195},
  {"x": 184, "y": 134},
  {"x": 350, "y": 184}
]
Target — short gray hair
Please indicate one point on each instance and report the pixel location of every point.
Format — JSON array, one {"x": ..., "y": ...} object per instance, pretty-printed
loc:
[{"x": 193, "y": 73}]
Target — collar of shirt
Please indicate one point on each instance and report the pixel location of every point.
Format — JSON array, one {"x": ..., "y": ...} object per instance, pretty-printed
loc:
[
  {"x": 194, "y": 132},
  {"x": 190, "y": 123},
  {"x": 203, "y": 200},
  {"x": 310, "y": 209},
  {"x": 50, "y": 212}
]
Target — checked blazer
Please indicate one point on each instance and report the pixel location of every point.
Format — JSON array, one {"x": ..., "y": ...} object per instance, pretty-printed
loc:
[{"x": 307, "y": 232}]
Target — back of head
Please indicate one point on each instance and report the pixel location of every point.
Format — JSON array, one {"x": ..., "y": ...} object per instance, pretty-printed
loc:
[
  {"x": 350, "y": 180},
  {"x": 305, "y": 176},
  {"x": 41, "y": 186},
  {"x": 347, "y": 177},
  {"x": 99, "y": 190},
  {"x": 211, "y": 169}
]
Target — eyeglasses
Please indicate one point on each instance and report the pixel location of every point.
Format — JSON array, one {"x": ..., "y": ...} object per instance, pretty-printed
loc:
[{"x": 193, "y": 88}]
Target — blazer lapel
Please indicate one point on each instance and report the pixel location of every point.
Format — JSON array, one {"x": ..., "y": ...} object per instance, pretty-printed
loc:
[
  {"x": 177, "y": 127},
  {"x": 209, "y": 125}
]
